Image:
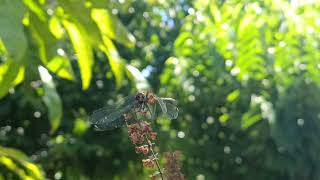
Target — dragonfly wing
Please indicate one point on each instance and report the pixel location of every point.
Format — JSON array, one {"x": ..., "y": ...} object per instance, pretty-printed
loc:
[
  {"x": 171, "y": 107},
  {"x": 154, "y": 111},
  {"x": 111, "y": 117},
  {"x": 162, "y": 105},
  {"x": 109, "y": 125}
]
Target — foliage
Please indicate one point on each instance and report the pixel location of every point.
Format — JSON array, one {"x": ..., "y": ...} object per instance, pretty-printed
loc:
[
  {"x": 245, "y": 89},
  {"x": 245, "y": 73}
]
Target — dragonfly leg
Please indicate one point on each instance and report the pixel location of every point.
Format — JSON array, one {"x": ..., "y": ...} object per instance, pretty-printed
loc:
[{"x": 145, "y": 109}]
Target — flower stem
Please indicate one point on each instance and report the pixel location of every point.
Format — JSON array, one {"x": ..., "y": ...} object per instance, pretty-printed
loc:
[
  {"x": 154, "y": 156},
  {"x": 148, "y": 142}
]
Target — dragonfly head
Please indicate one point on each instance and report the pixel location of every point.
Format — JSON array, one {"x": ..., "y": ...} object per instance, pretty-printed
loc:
[{"x": 141, "y": 98}]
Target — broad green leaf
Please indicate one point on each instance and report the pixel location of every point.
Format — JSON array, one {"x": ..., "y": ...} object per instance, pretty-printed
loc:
[
  {"x": 233, "y": 95},
  {"x": 249, "y": 119},
  {"x": 33, "y": 170},
  {"x": 36, "y": 8},
  {"x": 20, "y": 76},
  {"x": 9, "y": 154},
  {"x": 215, "y": 12},
  {"x": 61, "y": 66},
  {"x": 12, "y": 166},
  {"x": 13, "y": 153},
  {"x": 51, "y": 98},
  {"x": 11, "y": 31},
  {"x": 11, "y": 74},
  {"x": 135, "y": 75},
  {"x": 75, "y": 11},
  {"x": 55, "y": 27},
  {"x": 111, "y": 26},
  {"x": 117, "y": 66},
  {"x": 224, "y": 118},
  {"x": 83, "y": 49},
  {"x": 180, "y": 41},
  {"x": 48, "y": 48},
  {"x": 45, "y": 41},
  {"x": 3, "y": 50}
]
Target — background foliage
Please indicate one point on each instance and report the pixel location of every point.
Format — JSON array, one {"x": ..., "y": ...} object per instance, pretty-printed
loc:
[{"x": 245, "y": 73}]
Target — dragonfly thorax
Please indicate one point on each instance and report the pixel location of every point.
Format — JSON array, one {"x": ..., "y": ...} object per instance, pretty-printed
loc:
[{"x": 141, "y": 98}]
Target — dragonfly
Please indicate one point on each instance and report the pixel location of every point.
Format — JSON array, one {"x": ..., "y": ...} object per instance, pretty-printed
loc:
[{"x": 111, "y": 117}]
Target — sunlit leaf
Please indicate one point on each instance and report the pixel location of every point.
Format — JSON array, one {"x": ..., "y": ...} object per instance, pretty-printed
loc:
[
  {"x": 11, "y": 31},
  {"x": 76, "y": 12},
  {"x": 116, "y": 64},
  {"x": 36, "y": 8},
  {"x": 51, "y": 98},
  {"x": 33, "y": 170},
  {"x": 83, "y": 49},
  {"x": 111, "y": 26},
  {"x": 7, "y": 154},
  {"x": 13, "y": 153},
  {"x": 56, "y": 27},
  {"x": 224, "y": 118},
  {"x": 48, "y": 48},
  {"x": 233, "y": 95},
  {"x": 215, "y": 12},
  {"x": 11, "y": 165},
  {"x": 61, "y": 66},
  {"x": 249, "y": 119},
  {"x": 46, "y": 42},
  {"x": 11, "y": 74}
]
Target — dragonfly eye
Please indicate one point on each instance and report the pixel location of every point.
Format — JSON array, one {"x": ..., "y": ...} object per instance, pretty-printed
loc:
[{"x": 140, "y": 97}]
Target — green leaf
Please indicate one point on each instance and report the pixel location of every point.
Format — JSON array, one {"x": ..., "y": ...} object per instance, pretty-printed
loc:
[
  {"x": 111, "y": 26},
  {"x": 117, "y": 66},
  {"x": 9, "y": 154},
  {"x": 249, "y": 119},
  {"x": 83, "y": 49},
  {"x": 12, "y": 166},
  {"x": 46, "y": 42},
  {"x": 80, "y": 126},
  {"x": 224, "y": 118},
  {"x": 61, "y": 66},
  {"x": 48, "y": 47},
  {"x": 36, "y": 8},
  {"x": 11, "y": 31},
  {"x": 214, "y": 9},
  {"x": 76, "y": 12},
  {"x": 233, "y": 95},
  {"x": 51, "y": 98},
  {"x": 56, "y": 27},
  {"x": 13, "y": 153},
  {"x": 11, "y": 74}
]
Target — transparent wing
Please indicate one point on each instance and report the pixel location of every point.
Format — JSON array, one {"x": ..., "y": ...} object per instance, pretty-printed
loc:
[
  {"x": 155, "y": 111},
  {"x": 171, "y": 107},
  {"x": 162, "y": 104},
  {"x": 116, "y": 123},
  {"x": 110, "y": 117}
]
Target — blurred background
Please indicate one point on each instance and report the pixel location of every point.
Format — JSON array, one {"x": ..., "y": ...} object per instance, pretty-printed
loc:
[{"x": 245, "y": 74}]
